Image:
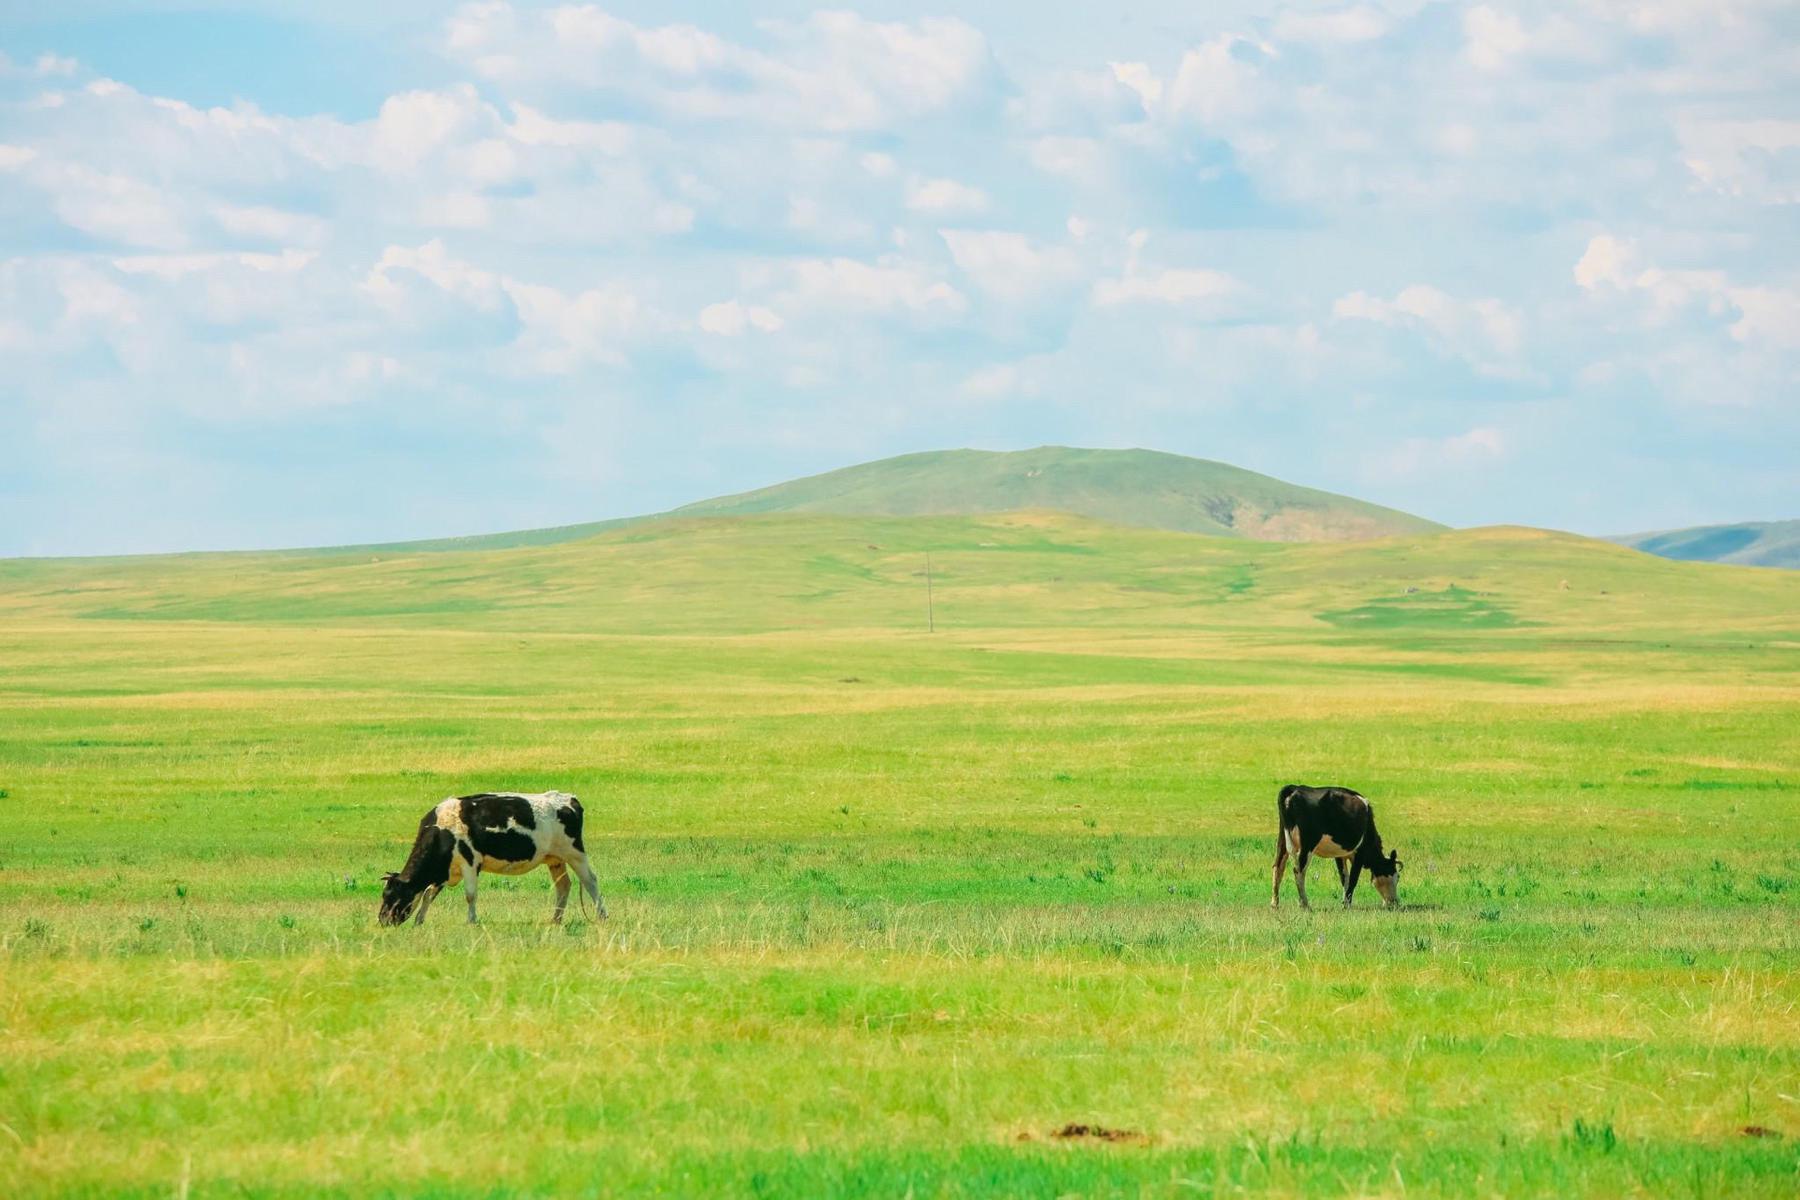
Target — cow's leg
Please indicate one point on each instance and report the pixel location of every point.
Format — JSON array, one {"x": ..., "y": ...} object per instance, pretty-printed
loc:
[
  {"x": 425, "y": 899},
  {"x": 1281, "y": 857},
  {"x": 590, "y": 884},
  {"x": 559, "y": 875},
  {"x": 1343, "y": 876},
  {"x": 1300, "y": 861},
  {"x": 1350, "y": 883},
  {"x": 469, "y": 878}
]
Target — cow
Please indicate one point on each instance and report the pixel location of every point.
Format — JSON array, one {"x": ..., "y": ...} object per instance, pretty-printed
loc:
[
  {"x": 507, "y": 833},
  {"x": 1335, "y": 823}
]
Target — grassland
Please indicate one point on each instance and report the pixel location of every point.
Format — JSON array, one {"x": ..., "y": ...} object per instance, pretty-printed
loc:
[{"x": 891, "y": 908}]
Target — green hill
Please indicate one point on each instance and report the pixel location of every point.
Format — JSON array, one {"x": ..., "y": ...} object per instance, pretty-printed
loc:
[
  {"x": 1750, "y": 544},
  {"x": 1147, "y": 488}
]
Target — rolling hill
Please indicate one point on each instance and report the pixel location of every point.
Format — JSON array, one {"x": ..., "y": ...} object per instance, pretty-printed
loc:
[
  {"x": 1749, "y": 544},
  {"x": 1145, "y": 488}
]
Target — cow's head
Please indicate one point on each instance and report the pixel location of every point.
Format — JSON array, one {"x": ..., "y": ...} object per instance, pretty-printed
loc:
[
  {"x": 1386, "y": 874},
  {"x": 397, "y": 897}
]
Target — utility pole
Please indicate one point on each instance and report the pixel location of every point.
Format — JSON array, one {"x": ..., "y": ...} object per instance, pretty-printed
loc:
[{"x": 930, "y": 615}]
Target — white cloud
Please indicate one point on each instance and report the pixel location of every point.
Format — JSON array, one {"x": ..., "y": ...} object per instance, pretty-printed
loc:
[
  {"x": 945, "y": 196},
  {"x": 883, "y": 286},
  {"x": 1010, "y": 265},
  {"x": 834, "y": 70},
  {"x": 1757, "y": 160},
  {"x": 1496, "y": 40},
  {"x": 1169, "y": 286},
  {"x": 996, "y": 382},
  {"x": 1493, "y": 37},
  {"x": 262, "y": 223},
  {"x": 1218, "y": 80},
  {"x": 1360, "y": 23},
  {"x": 1140, "y": 79},
  {"x": 1487, "y": 325},
  {"x": 1457, "y": 452},
  {"x": 175, "y": 266},
  {"x": 1757, "y": 314},
  {"x": 413, "y": 125},
  {"x": 1605, "y": 261},
  {"x": 732, "y": 319}
]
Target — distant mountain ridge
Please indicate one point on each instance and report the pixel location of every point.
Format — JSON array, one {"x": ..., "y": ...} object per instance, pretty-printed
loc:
[
  {"x": 1146, "y": 488},
  {"x": 1747, "y": 544}
]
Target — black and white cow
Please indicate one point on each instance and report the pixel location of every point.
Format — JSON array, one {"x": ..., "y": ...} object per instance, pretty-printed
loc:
[
  {"x": 1336, "y": 823},
  {"x": 508, "y": 833}
]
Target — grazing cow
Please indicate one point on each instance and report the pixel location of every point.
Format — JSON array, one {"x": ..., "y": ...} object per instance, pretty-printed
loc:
[
  {"x": 1336, "y": 823},
  {"x": 508, "y": 833}
]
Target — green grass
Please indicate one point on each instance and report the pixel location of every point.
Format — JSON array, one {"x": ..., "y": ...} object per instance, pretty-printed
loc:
[{"x": 891, "y": 908}]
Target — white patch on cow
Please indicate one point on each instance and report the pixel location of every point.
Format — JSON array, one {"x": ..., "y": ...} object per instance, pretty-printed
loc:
[
  {"x": 1293, "y": 836},
  {"x": 449, "y": 816}
]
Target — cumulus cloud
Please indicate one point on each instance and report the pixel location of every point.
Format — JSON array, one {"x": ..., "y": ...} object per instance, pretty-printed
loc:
[
  {"x": 1456, "y": 452},
  {"x": 1168, "y": 286},
  {"x": 731, "y": 318},
  {"x": 887, "y": 285},
  {"x": 1487, "y": 323},
  {"x": 1010, "y": 265},
  {"x": 834, "y": 70},
  {"x": 945, "y": 196},
  {"x": 1755, "y": 314}
]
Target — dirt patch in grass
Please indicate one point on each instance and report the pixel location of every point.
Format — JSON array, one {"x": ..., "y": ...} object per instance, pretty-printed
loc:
[
  {"x": 1077, "y": 1131},
  {"x": 1759, "y": 1131}
]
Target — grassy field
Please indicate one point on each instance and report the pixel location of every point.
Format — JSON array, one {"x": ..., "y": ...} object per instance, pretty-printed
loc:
[{"x": 891, "y": 909}]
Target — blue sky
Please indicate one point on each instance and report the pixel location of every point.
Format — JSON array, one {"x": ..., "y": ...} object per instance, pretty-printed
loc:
[{"x": 283, "y": 275}]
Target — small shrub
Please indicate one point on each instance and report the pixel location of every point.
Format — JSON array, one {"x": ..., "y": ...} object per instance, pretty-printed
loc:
[
  {"x": 1421, "y": 944},
  {"x": 37, "y": 928},
  {"x": 146, "y": 925},
  {"x": 181, "y": 891},
  {"x": 1489, "y": 914},
  {"x": 1596, "y": 1136},
  {"x": 287, "y": 921}
]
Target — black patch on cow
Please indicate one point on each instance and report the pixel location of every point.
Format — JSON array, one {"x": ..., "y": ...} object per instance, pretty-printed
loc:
[
  {"x": 428, "y": 866},
  {"x": 489, "y": 818},
  {"x": 462, "y": 848},
  {"x": 429, "y": 863},
  {"x": 570, "y": 817}
]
